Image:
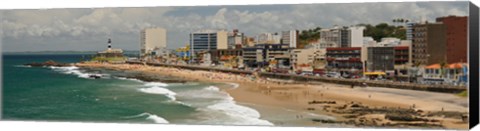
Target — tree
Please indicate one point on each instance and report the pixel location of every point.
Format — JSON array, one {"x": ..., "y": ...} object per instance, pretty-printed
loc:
[{"x": 442, "y": 69}]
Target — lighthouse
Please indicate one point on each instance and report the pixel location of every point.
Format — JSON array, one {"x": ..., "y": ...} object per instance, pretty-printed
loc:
[{"x": 109, "y": 44}]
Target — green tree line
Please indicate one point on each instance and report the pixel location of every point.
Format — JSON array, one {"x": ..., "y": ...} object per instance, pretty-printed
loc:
[{"x": 377, "y": 32}]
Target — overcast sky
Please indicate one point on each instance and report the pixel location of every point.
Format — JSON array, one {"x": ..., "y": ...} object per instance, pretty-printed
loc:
[{"x": 89, "y": 29}]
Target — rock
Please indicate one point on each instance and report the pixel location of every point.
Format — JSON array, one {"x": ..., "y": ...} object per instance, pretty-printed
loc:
[{"x": 48, "y": 63}]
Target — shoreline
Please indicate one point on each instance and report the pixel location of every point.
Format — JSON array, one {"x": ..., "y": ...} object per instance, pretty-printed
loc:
[{"x": 347, "y": 106}]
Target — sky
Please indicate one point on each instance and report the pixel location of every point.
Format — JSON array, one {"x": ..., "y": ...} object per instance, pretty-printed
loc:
[{"x": 89, "y": 29}]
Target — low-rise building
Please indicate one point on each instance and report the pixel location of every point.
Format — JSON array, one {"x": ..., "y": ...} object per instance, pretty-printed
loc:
[
  {"x": 308, "y": 59},
  {"x": 380, "y": 59},
  {"x": 346, "y": 60},
  {"x": 229, "y": 58},
  {"x": 262, "y": 55}
]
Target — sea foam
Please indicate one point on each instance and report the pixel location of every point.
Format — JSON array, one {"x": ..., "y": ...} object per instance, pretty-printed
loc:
[
  {"x": 71, "y": 70},
  {"x": 159, "y": 90},
  {"x": 156, "y": 84},
  {"x": 23, "y": 66},
  {"x": 131, "y": 79},
  {"x": 152, "y": 117},
  {"x": 220, "y": 108}
]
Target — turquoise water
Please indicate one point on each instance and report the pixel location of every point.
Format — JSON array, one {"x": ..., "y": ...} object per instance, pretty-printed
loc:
[{"x": 67, "y": 94}]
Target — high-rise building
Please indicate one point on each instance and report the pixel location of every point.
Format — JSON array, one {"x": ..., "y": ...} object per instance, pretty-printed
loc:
[
  {"x": 429, "y": 43},
  {"x": 208, "y": 40},
  {"x": 290, "y": 38},
  {"x": 456, "y": 37},
  {"x": 152, "y": 39},
  {"x": 342, "y": 37},
  {"x": 356, "y": 36},
  {"x": 409, "y": 30}
]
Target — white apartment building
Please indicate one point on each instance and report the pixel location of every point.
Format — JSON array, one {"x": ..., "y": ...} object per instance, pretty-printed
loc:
[
  {"x": 152, "y": 39},
  {"x": 342, "y": 37}
]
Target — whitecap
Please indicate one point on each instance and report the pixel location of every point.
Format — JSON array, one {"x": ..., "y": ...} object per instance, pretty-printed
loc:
[
  {"x": 156, "y": 84},
  {"x": 131, "y": 79},
  {"x": 152, "y": 117},
  {"x": 212, "y": 88},
  {"x": 158, "y": 90},
  {"x": 23, "y": 66}
]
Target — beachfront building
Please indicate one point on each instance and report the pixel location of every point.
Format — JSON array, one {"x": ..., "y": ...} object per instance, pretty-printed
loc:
[
  {"x": 253, "y": 56},
  {"x": 152, "y": 39},
  {"x": 402, "y": 60},
  {"x": 456, "y": 37},
  {"x": 263, "y": 55},
  {"x": 442, "y": 73},
  {"x": 183, "y": 53},
  {"x": 381, "y": 59},
  {"x": 429, "y": 43},
  {"x": 206, "y": 40},
  {"x": 345, "y": 60},
  {"x": 290, "y": 38},
  {"x": 235, "y": 40},
  {"x": 308, "y": 60},
  {"x": 228, "y": 58}
]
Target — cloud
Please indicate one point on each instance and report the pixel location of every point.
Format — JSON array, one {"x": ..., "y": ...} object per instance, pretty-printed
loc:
[{"x": 76, "y": 25}]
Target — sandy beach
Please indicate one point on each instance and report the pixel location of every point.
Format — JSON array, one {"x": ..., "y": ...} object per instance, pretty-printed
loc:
[{"x": 326, "y": 104}]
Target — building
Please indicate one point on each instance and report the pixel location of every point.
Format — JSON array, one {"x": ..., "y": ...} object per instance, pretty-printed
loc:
[
  {"x": 345, "y": 60},
  {"x": 402, "y": 59},
  {"x": 308, "y": 59},
  {"x": 207, "y": 40},
  {"x": 152, "y": 39},
  {"x": 389, "y": 41},
  {"x": 380, "y": 59},
  {"x": 235, "y": 39},
  {"x": 456, "y": 34},
  {"x": 290, "y": 38},
  {"x": 342, "y": 36},
  {"x": 330, "y": 37},
  {"x": 249, "y": 42},
  {"x": 268, "y": 38},
  {"x": 262, "y": 55},
  {"x": 409, "y": 30},
  {"x": 429, "y": 43},
  {"x": 229, "y": 58},
  {"x": 369, "y": 41},
  {"x": 356, "y": 36}
]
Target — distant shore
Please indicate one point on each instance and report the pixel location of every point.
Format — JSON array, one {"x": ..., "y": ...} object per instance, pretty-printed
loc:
[{"x": 335, "y": 104}]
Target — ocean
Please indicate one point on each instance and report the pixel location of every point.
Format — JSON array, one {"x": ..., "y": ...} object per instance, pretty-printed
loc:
[{"x": 68, "y": 94}]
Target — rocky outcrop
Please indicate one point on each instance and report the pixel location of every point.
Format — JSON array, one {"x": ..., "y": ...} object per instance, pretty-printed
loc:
[{"x": 47, "y": 63}]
